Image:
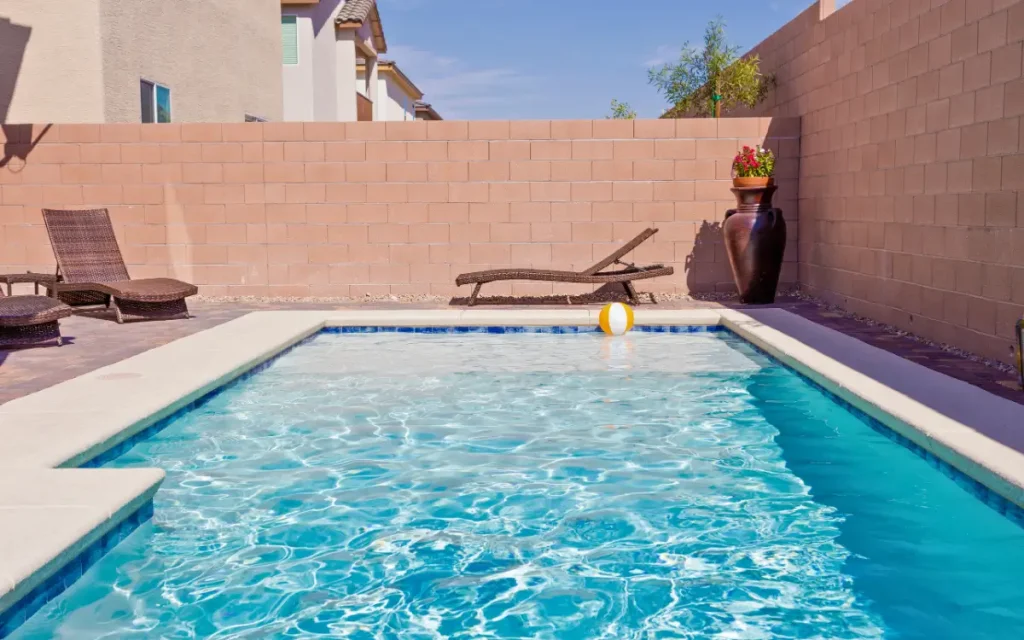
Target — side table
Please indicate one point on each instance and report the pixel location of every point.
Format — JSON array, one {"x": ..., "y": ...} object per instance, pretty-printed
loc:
[{"x": 11, "y": 279}]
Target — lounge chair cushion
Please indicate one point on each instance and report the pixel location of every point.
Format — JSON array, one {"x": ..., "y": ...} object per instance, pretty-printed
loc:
[
  {"x": 151, "y": 289},
  {"x": 25, "y": 311}
]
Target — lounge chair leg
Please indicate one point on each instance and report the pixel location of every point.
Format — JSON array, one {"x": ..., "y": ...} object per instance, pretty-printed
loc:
[
  {"x": 653, "y": 299},
  {"x": 117, "y": 311},
  {"x": 60, "y": 341},
  {"x": 476, "y": 292},
  {"x": 631, "y": 292}
]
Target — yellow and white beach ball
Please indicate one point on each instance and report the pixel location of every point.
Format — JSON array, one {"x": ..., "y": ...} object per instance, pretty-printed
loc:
[{"x": 616, "y": 318}]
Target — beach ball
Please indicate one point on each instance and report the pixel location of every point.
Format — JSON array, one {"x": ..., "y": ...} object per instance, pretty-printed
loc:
[{"x": 616, "y": 318}]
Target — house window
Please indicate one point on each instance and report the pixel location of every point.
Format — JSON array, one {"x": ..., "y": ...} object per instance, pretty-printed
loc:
[
  {"x": 290, "y": 39},
  {"x": 156, "y": 102}
]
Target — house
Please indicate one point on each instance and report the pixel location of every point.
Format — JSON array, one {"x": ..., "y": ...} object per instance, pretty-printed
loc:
[
  {"x": 397, "y": 95},
  {"x": 426, "y": 112},
  {"x": 99, "y": 61},
  {"x": 322, "y": 44}
]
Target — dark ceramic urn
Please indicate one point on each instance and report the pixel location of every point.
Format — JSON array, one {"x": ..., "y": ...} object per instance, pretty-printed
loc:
[{"x": 755, "y": 240}]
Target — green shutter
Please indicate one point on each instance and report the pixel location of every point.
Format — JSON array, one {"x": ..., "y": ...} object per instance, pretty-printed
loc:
[{"x": 290, "y": 39}]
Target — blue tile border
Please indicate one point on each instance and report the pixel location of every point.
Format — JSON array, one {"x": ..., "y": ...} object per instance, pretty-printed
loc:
[
  {"x": 1006, "y": 508},
  {"x": 55, "y": 585},
  {"x": 525, "y": 329}
]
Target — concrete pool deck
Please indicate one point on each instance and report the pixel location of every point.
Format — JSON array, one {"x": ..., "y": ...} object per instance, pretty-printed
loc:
[{"x": 72, "y": 422}]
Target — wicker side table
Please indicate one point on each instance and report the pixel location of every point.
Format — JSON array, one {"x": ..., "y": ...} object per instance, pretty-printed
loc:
[{"x": 11, "y": 279}]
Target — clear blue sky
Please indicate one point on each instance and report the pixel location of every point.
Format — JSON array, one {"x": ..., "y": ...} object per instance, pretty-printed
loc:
[{"x": 511, "y": 59}]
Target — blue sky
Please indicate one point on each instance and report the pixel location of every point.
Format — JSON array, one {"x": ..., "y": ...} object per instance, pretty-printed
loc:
[{"x": 513, "y": 59}]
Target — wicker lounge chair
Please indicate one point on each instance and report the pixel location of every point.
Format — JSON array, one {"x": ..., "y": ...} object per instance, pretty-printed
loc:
[
  {"x": 91, "y": 270},
  {"x": 29, "y": 320},
  {"x": 593, "y": 275}
]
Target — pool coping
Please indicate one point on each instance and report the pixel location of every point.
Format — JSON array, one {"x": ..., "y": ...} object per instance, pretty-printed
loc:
[{"x": 71, "y": 423}]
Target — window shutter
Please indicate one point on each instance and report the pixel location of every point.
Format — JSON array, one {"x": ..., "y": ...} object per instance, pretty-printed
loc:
[{"x": 290, "y": 39}]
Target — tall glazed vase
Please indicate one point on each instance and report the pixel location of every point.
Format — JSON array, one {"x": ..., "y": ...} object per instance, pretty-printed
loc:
[{"x": 755, "y": 240}]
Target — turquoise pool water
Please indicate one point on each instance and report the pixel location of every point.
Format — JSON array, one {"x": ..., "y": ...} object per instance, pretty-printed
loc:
[{"x": 542, "y": 486}]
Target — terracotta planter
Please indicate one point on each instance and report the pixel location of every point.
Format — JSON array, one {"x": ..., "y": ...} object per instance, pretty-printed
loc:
[
  {"x": 746, "y": 183},
  {"x": 755, "y": 240}
]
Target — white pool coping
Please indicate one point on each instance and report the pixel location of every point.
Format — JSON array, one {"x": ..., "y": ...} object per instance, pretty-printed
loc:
[{"x": 49, "y": 514}]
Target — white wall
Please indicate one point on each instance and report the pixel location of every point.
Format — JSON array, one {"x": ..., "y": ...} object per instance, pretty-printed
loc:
[
  {"x": 346, "y": 83},
  {"x": 321, "y": 87},
  {"x": 394, "y": 103},
  {"x": 397, "y": 104}
]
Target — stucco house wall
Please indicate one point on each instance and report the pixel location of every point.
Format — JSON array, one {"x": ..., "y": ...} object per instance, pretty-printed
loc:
[
  {"x": 219, "y": 59},
  {"x": 50, "y": 61},
  {"x": 83, "y": 59}
]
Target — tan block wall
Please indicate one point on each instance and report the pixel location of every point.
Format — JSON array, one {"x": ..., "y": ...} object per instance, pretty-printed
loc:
[
  {"x": 347, "y": 209},
  {"x": 912, "y": 162}
]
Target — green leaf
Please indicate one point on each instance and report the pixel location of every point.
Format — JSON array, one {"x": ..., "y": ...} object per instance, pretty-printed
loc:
[
  {"x": 715, "y": 73},
  {"x": 621, "y": 111}
]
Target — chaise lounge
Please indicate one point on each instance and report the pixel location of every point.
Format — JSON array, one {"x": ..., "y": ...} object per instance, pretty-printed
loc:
[
  {"x": 593, "y": 275},
  {"x": 30, "y": 320},
  {"x": 91, "y": 270}
]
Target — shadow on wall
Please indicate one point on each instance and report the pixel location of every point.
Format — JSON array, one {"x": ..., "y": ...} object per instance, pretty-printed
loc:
[
  {"x": 323, "y": 13},
  {"x": 18, "y": 144},
  {"x": 703, "y": 269},
  {"x": 13, "y": 42}
]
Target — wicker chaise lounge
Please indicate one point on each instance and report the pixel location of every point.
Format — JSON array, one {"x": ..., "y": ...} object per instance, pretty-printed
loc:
[
  {"x": 91, "y": 270},
  {"x": 30, "y": 320},
  {"x": 593, "y": 275}
]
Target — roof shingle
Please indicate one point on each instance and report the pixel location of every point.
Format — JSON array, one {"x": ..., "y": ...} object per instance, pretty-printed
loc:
[
  {"x": 355, "y": 11},
  {"x": 358, "y": 12}
]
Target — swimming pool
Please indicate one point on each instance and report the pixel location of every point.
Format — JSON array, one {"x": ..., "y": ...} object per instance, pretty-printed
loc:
[{"x": 543, "y": 485}]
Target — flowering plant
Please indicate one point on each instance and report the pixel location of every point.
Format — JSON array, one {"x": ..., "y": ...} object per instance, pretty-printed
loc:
[{"x": 754, "y": 163}]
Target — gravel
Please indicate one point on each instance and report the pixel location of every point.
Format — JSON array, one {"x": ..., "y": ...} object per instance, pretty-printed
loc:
[{"x": 890, "y": 329}]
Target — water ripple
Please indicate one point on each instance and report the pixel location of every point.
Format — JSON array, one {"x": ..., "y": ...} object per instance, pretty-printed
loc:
[{"x": 528, "y": 486}]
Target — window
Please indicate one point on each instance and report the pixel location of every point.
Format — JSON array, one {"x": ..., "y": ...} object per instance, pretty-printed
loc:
[
  {"x": 156, "y": 102},
  {"x": 290, "y": 40}
]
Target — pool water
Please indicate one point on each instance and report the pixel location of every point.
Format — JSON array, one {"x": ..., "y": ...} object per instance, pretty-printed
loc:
[{"x": 414, "y": 486}]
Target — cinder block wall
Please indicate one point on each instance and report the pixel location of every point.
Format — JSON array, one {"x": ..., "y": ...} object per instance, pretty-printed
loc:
[
  {"x": 348, "y": 209},
  {"x": 912, "y": 167}
]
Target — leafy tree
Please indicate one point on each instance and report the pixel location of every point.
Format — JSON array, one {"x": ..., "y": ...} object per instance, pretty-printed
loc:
[
  {"x": 621, "y": 111},
  {"x": 714, "y": 78}
]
